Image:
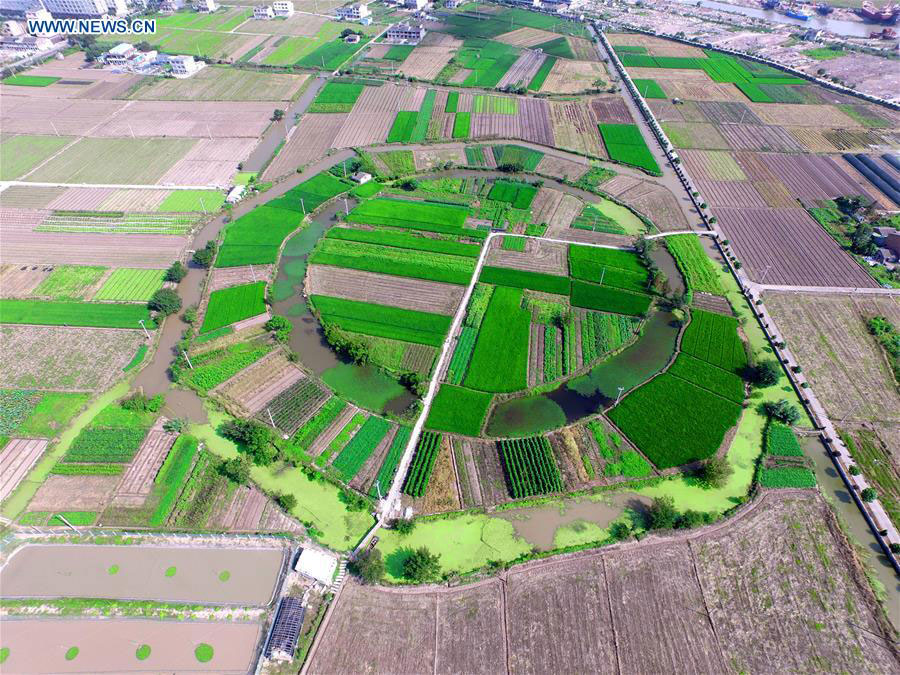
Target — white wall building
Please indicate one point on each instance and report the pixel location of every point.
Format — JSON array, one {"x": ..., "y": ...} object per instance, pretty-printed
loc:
[
  {"x": 317, "y": 565},
  {"x": 120, "y": 55},
  {"x": 40, "y": 14},
  {"x": 76, "y": 8},
  {"x": 263, "y": 13},
  {"x": 283, "y": 8},
  {"x": 415, "y": 4},
  {"x": 353, "y": 12},
  {"x": 117, "y": 7},
  {"x": 406, "y": 32},
  {"x": 13, "y": 28},
  {"x": 206, "y": 6},
  {"x": 185, "y": 66}
]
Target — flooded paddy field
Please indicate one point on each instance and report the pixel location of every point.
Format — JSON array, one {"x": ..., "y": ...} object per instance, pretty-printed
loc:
[
  {"x": 167, "y": 574},
  {"x": 127, "y": 645}
]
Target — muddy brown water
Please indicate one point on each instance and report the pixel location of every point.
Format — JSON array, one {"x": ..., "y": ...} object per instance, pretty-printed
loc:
[
  {"x": 835, "y": 489},
  {"x": 229, "y": 576},
  {"x": 538, "y": 525},
  {"x": 110, "y": 645}
]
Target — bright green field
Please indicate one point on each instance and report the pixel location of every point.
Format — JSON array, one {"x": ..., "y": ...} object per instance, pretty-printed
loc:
[
  {"x": 458, "y": 410},
  {"x": 500, "y": 359},
  {"x": 131, "y": 285},
  {"x": 20, "y": 154},
  {"x": 62, "y": 313},
  {"x": 228, "y": 305},
  {"x": 182, "y": 201},
  {"x": 30, "y": 80},
  {"x": 68, "y": 282}
]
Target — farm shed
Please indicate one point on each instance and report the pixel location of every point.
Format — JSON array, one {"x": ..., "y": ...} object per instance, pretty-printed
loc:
[
  {"x": 286, "y": 629},
  {"x": 316, "y": 565}
]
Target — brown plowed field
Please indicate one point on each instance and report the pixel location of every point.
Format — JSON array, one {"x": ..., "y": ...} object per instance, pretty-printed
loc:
[
  {"x": 137, "y": 480},
  {"x": 495, "y": 125},
  {"x": 74, "y": 493},
  {"x": 562, "y": 168},
  {"x": 430, "y": 57},
  {"x": 571, "y": 77},
  {"x": 384, "y": 289},
  {"x": 427, "y": 160},
  {"x": 534, "y": 120},
  {"x": 693, "y": 90},
  {"x": 713, "y": 165},
  {"x": 811, "y": 177},
  {"x": 566, "y": 211},
  {"x": 525, "y": 68},
  {"x": 574, "y": 129},
  {"x": 223, "y": 277},
  {"x": 21, "y": 245},
  {"x": 656, "y": 203},
  {"x": 795, "y": 248},
  {"x": 775, "y": 589},
  {"x": 544, "y": 204},
  {"x": 362, "y": 128},
  {"x": 712, "y": 303},
  {"x": 23, "y": 197},
  {"x": 311, "y": 139},
  {"x": 845, "y": 365},
  {"x": 16, "y": 459},
  {"x": 753, "y": 166},
  {"x": 718, "y": 112},
  {"x": 526, "y": 37},
  {"x": 695, "y": 135},
  {"x": 584, "y": 50},
  {"x": 134, "y": 200},
  {"x": 259, "y": 383},
  {"x": 83, "y": 199},
  {"x": 538, "y": 256},
  {"x": 759, "y": 137},
  {"x": 18, "y": 281},
  {"x": 800, "y": 115},
  {"x": 611, "y": 110},
  {"x": 730, "y": 193},
  {"x": 680, "y": 74},
  {"x": 776, "y": 194},
  {"x": 656, "y": 46}
]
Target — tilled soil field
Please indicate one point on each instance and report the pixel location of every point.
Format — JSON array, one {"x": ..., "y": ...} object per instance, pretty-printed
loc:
[
  {"x": 83, "y": 199},
  {"x": 566, "y": 211},
  {"x": 759, "y": 137},
  {"x": 790, "y": 248},
  {"x": 312, "y": 138},
  {"x": 728, "y": 113},
  {"x": 223, "y": 277},
  {"x": 364, "y": 128},
  {"x": 430, "y": 57},
  {"x": 845, "y": 365},
  {"x": 715, "y": 165},
  {"x": 137, "y": 479},
  {"x": 18, "y": 281},
  {"x": 730, "y": 193},
  {"x": 559, "y": 167},
  {"x": 427, "y": 160},
  {"x": 72, "y": 493},
  {"x": 252, "y": 388},
  {"x": 16, "y": 459},
  {"x": 811, "y": 177},
  {"x": 653, "y": 201},
  {"x": 775, "y": 589},
  {"x": 525, "y": 68},
  {"x": 699, "y": 135},
  {"x": 538, "y": 256},
  {"x": 799, "y": 115},
  {"x": 611, "y": 110},
  {"x": 571, "y": 77},
  {"x": 384, "y": 289},
  {"x": 65, "y": 359},
  {"x": 526, "y": 37},
  {"x": 574, "y": 128},
  {"x": 24, "y": 197},
  {"x": 692, "y": 90}
]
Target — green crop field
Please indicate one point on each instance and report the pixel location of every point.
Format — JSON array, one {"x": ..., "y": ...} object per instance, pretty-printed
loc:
[
  {"x": 189, "y": 201},
  {"x": 675, "y": 422},
  {"x": 698, "y": 270},
  {"x": 20, "y": 154},
  {"x": 649, "y": 88},
  {"x": 520, "y": 195},
  {"x": 312, "y": 193},
  {"x": 331, "y": 55},
  {"x": 427, "y": 449},
  {"x": 541, "y": 75},
  {"x": 399, "y": 262},
  {"x": 131, "y": 285},
  {"x": 406, "y": 240},
  {"x": 458, "y": 410},
  {"x": 403, "y": 127},
  {"x": 535, "y": 281},
  {"x": 487, "y": 60},
  {"x": 709, "y": 377},
  {"x": 254, "y": 238},
  {"x": 427, "y": 216},
  {"x": 514, "y": 244},
  {"x": 625, "y": 144},
  {"x": 500, "y": 360},
  {"x": 357, "y": 451},
  {"x": 781, "y": 441},
  {"x": 530, "y": 466},
  {"x": 398, "y": 53},
  {"x": 787, "y": 477},
  {"x": 69, "y": 282},
  {"x": 608, "y": 299},
  {"x": 230, "y": 305},
  {"x": 423, "y": 117},
  {"x": 506, "y": 20},
  {"x": 212, "y": 368},
  {"x": 517, "y": 155},
  {"x": 382, "y": 482},
  {"x": 586, "y": 261},
  {"x": 336, "y": 97},
  {"x": 558, "y": 47},
  {"x": 714, "y": 338},
  {"x": 62, "y": 313},
  {"x": 29, "y": 80},
  {"x": 382, "y": 321},
  {"x": 462, "y": 124},
  {"x": 398, "y": 162},
  {"x": 499, "y": 105}
]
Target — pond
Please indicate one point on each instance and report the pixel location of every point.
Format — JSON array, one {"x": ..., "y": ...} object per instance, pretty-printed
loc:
[{"x": 364, "y": 385}]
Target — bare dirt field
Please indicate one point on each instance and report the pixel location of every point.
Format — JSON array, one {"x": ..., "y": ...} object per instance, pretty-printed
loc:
[
  {"x": 26, "y": 197},
  {"x": 570, "y": 77},
  {"x": 65, "y": 359},
  {"x": 649, "y": 199},
  {"x": 311, "y": 139},
  {"x": 429, "y": 159},
  {"x": 223, "y": 277},
  {"x": 565, "y": 212},
  {"x": 526, "y": 37},
  {"x": 559, "y": 167},
  {"x": 611, "y": 109},
  {"x": 799, "y": 115},
  {"x": 18, "y": 281},
  {"x": 364, "y": 128},
  {"x": 845, "y": 365},
  {"x": 760, "y": 138},
  {"x": 775, "y": 588},
  {"x": 137, "y": 479},
  {"x": 224, "y": 84},
  {"x": 108, "y": 646},
  {"x": 384, "y": 289},
  {"x": 538, "y": 256},
  {"x": 792, "y": 246},
  {"x": 16, "y": 459},
  {"x": 256, "y": 385},
  {"x": 22, "y": 245},
  {"x": 525, "y": 68},
  {"x": 430, "y": 56},
  {"x": 574, "y": 128},
  {"x": 73, "y": 493},
  {"x": 655, "y": 46},
  {"x": 143, "y": 573}
]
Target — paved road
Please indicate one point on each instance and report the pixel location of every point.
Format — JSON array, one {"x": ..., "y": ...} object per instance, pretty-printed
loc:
[
  {"x": 840, "y": 290},
  {"x": 117, "y": 186}
]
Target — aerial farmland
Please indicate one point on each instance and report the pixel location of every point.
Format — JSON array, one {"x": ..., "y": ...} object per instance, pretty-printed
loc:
[{"x": 580, "y": 340}]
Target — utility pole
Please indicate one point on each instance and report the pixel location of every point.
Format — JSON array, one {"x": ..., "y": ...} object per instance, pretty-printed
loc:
[
  {"x": 271, "y": 419},
  {"x": 54, "y": 127},
  {"x": 303, "y": 206},
  {"x": 602, "y": 274},
  {"x": 346, "y": 207},
  {"x": 203, "y": 206},
  {"x": 252, "y": 272},
  {"x": 188, "y": 359},
  {"x": 141, "y": 321},
  {"x": 765, "y": 272},
  {"x": 619, "y": 396}
]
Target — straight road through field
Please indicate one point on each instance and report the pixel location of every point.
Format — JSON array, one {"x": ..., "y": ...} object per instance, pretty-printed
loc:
[
  {"x": 840, "y": 290},
  {"x": 9, "y": 183}
]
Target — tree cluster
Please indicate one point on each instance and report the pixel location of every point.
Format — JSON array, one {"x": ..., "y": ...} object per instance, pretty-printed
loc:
[
  {"x": 205, "y": 256},
  {"x": 256, "y": 439},
  {"x": 663, "y": 515}
]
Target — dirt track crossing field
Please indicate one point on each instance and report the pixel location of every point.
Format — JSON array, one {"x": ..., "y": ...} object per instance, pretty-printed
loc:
[
  {"x": 16, "y": 460},
  {"x": 538, "y": 256},
  {"x": 775, "y": 585},
  {"x": 384, "y": 289}
]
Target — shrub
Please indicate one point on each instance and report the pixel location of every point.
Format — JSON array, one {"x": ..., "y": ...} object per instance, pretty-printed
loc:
[
  {"x": 868, "y": 495},
  {"x": 165, "y": 301},
  {"x": 854, "y": 470},
  {"x": 403, "y": 526},
  {"x": 662, "y": 514},
  {"x": 715, "y": 472},
  {"x": 281, "y": 326},
  {"x": 286, "y": 501},
  {"x": 782, "y": 411},
  {"x": 176, "y": 272},
  {"x": 421, "y": 566},
  {"x": 368, "y": 566},
  {"x": 256, "y": 439},
  {"x": 237, "y": 469},
  {"x": 206, "y": 255}
]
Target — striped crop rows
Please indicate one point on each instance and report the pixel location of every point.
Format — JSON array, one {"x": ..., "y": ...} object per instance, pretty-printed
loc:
[{"x": 530, "y": 466}]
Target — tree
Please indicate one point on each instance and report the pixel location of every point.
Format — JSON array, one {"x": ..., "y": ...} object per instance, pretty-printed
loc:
[
  {"x": 403, "y": 527},
  {"x": 286, "y": 500},
  {"x": 176, "y": 272},
  {"x": 368, "y": 566},
  {"x": 414, "y": 381},
  {"x": 277, "y": 115},
  {"x": 690, "y": 519},
  {"x": 782, "y": 411},
  {"x": 715, "y": 472},
  {"x": 256, "y": 438},
  {"x": 868, "y": 495},
  {"x": 895, "y": 547},
  {"x": 206, "y": 255},
  {"x": 165, "y": 301},
  {"x": 854, "y": 470},
  {"x": 861, "y": 240},
  {"x": 765, "y": 373},
  {"x": 421, "y": 566},
  {"x": 662, "y": 514},
  {"x": 237, "y": 469},
  {"x": 281, "y": 326}
]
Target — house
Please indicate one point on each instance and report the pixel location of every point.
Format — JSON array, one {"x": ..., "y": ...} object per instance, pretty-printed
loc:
[
  {"x": 117, "y": 7},
  {"x": 13, "y": 28},
  {"x": 880, "y": 234},
  {"x": 206, "y": 6},
  {"x": 40, "y": 14},
  {"x": 452, "y": 4},
  {"x": 886, "y": 257},
  {"x": 406, "y": 32},
  {"x": 120, "y": 55},
  {"x": 361, "y": 177},
  {"x": 185, "y": 66},
  {"x": 415, "y": 4},
  {"x": 317, "y": 565},
  {"x": 352, "y": 39},
  {"x": 892, "y": 242},
  {"x": 27, "y": 43},
  {"x": 170, "y": 6},
  {"x": 235, "y": 194},
  {"x": 263, "y": 12},
  {"x": 353, "y": 12},
  {"x": 283, "y": 8},
  {"x": 76, "y": 9}
]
